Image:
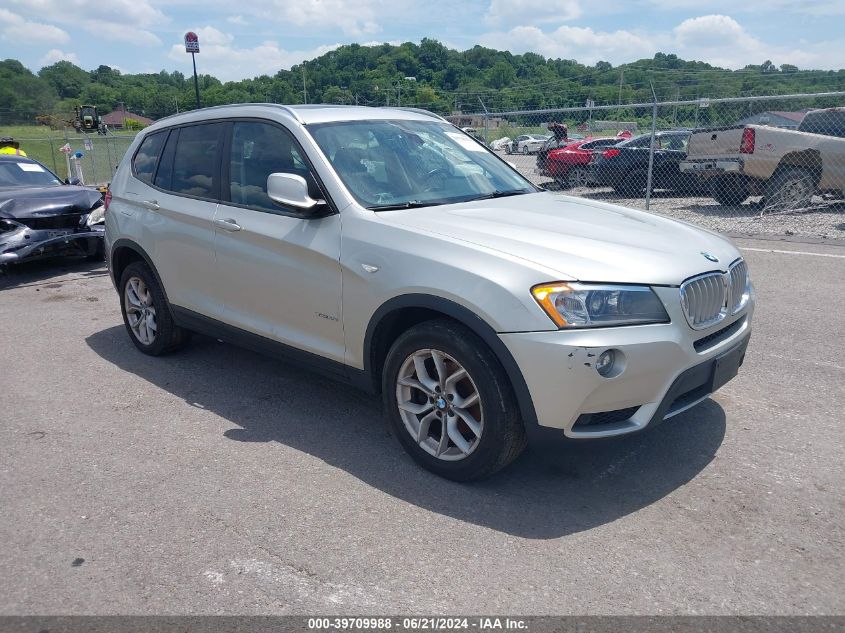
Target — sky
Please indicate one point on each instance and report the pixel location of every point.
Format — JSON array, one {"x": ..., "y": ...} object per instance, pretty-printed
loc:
[{"x": 247, "y": 39}]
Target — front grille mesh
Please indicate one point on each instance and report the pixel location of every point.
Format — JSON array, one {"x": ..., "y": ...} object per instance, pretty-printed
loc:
[
  {"x": 703, "y": 300},
  {"x": 738, "y": 275}
]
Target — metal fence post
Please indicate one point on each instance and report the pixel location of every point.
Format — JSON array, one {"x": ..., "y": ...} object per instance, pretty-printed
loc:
[
  {"x": 108, "y": 153},
  {"x": 486, "y": 121},
  {"x": 651, "y": 151},
  {"x": 53, "y": 154}
]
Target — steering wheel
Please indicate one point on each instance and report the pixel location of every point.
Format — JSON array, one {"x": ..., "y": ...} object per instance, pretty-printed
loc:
[{"x": 437, "y": 172}]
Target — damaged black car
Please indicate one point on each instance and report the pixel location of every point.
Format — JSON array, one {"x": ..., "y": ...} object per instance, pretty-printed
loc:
[{"x": 43, "y": 216}]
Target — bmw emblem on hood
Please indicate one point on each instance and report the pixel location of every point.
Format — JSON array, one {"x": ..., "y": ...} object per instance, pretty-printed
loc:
[{"x": 710, "y": 256}]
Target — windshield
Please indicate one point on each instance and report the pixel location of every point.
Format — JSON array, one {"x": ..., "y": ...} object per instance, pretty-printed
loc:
[
  {"x": 387, "y": 164},
  {"x": 26, "y": 174}
]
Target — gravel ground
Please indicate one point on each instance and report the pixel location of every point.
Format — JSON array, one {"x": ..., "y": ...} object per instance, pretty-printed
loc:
[
  {"x": 216, "y": 481},
  {"x": 825, "y": 221}
]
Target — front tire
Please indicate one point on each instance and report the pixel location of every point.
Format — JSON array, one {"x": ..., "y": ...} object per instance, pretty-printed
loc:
[
  {"x": 449, "y": 402},
  {"x": 146, "y": 314},
  {"x": 525, "y": 150}
]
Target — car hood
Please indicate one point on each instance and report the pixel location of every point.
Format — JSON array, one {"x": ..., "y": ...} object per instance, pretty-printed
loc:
[
  {"x": 47, "y": 201},
  {"x": 581, "y": 239}
]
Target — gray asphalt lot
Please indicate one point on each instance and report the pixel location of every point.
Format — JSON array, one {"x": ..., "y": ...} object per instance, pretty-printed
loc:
[{"x": 216, "y": 481}]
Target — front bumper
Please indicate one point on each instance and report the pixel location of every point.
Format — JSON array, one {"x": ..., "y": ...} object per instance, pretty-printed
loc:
[
  {"x": 27, "y": 243},
  {"x": 666, "y": 369}
]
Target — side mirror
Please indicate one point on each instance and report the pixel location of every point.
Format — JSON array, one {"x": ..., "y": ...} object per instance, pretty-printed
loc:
[
  {"x": 290, "y": 190},
  {"x": 72, "y": 181}
]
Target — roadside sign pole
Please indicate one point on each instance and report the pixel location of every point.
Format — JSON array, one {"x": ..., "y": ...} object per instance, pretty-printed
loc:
[
  {"x": 196, "y": 83},
  {"x": 192, "y": 46}
]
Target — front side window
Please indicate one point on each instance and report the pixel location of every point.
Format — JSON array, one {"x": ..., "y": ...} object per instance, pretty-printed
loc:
[
  {"x": 258, "y": 150},
  {"x": 195, "y": 160},
  {"x": 144, "y": 163},
  {"x": 396, "y": 163}
]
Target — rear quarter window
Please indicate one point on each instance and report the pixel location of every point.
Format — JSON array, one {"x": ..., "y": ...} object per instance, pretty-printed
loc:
[{"x": 146, "y": 158}]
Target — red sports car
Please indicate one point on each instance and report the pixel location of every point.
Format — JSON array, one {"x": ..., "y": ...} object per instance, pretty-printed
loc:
[{"x": 569, "y": 165}]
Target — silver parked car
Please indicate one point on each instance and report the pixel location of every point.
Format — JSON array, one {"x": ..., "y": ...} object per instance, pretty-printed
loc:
[
  {"x": 526, "y": 144},
  {"x": 387, "y": 248}
]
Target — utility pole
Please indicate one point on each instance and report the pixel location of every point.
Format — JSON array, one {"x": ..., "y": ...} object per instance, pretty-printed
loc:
[
  {"x": 621, "y": 75},
  {"x": 675, "y": 109}
]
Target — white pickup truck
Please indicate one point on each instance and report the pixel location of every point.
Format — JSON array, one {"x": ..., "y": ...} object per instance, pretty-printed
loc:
[{"x": 787, "y": 167}]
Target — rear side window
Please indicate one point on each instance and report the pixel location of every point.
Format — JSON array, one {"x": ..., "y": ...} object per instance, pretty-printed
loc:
[
  {"x": 196, "y": 160},
  {"x": 146, "y": 158},
  {"x": 827, "y": 122}
]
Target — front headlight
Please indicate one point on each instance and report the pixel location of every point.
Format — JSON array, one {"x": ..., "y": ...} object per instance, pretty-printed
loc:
[
  {"x": 97, "y": 216},
  {"x": 575, "y": 305}
]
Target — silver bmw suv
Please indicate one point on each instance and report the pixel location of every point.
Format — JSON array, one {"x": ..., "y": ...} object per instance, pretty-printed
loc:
[{"x": 389, "y": 249}]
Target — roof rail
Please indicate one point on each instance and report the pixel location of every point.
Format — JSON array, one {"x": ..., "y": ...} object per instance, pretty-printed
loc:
[
  {"x": 287, "y": 109},
  {"x": 421, "y": 111}
]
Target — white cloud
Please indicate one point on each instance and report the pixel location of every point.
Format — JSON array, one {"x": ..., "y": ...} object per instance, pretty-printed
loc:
[
  {"x": 221, "y": 57},
  {"x": 354, "y": 17},
  {"x": 532, "y": 11},
  {"x": 237, "y": 19},
  {"x": 716, "y": 39},
  {"x": 574, "y": 42},
  {"x": 138, "y": 13},
  {"x": 767, "y": 8},
  {"x": 15, "y": 27},
  {"x": 123, "y": 33},
  {"x": 55, "y": 55}
]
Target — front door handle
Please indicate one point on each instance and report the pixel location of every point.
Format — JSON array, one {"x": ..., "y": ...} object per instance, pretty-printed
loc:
[
  {"x": 227, "y": 224},
  {"x": 151, "y": 204}
]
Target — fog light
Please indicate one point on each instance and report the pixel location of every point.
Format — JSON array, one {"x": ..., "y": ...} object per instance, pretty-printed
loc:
[{"x": 604, "y": 365}]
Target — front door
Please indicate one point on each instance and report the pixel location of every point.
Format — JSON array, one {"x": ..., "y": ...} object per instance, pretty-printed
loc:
[{"x": 278, "y": 270}]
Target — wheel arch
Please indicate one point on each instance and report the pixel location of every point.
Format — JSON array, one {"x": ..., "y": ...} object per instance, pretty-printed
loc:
[
  {"x": 400, "y": 313},
  {"x": 123, "y": 253},
  {"x": 810, "y": 160}
]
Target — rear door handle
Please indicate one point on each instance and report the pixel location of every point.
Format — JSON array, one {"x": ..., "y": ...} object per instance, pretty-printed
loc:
[
  {"x": 151, "y": 204},
  {"x": 227, "y": 224}
]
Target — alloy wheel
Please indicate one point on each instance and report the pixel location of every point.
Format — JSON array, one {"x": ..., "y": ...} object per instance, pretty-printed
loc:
[
  {"x": 439, "y": 404},
  {"x": 140, "y": 310}
]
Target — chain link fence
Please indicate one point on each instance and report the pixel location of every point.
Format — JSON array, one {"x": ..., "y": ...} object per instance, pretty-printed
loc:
[
  {"x": 747, "y": 166},
  {"x": 100, "y": 154}
]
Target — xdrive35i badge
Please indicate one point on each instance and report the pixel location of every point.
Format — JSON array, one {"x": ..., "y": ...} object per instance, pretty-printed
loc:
[{"x": 709, "y": 256}]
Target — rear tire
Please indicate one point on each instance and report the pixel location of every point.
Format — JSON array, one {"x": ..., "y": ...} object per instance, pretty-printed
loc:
[
  {"x": 459, "y": 428},
  {"x": 634, "y": 183},
  {"x": 146, "y": 313},
  {"x": 729, "y": 191},
  {"x": 525, "y": 150},
  {"x": 790, "y": 188},
  {"x": 577, "y": 178}
]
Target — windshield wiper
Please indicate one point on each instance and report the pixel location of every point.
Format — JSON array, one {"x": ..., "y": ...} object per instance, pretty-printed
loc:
[
  {"x": 410, "y": 204},
  {"x": 499, "y": 194}
]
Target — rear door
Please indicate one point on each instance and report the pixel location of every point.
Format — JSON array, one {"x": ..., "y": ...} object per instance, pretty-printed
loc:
[
  {"x": 173, "y": 197},
  {"x": 278, "y": 271}
]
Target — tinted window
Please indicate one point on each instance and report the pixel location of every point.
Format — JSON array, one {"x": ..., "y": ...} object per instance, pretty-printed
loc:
[
  {"x": 258, "y": 150},
  {"x": 144, "y": 163},
  {"x": 195, "y": 161},
  {"x": 827, "y": 122}
]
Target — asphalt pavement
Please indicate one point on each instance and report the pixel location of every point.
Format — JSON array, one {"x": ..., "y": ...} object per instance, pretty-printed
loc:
[{"x": 217, "y": 481}]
